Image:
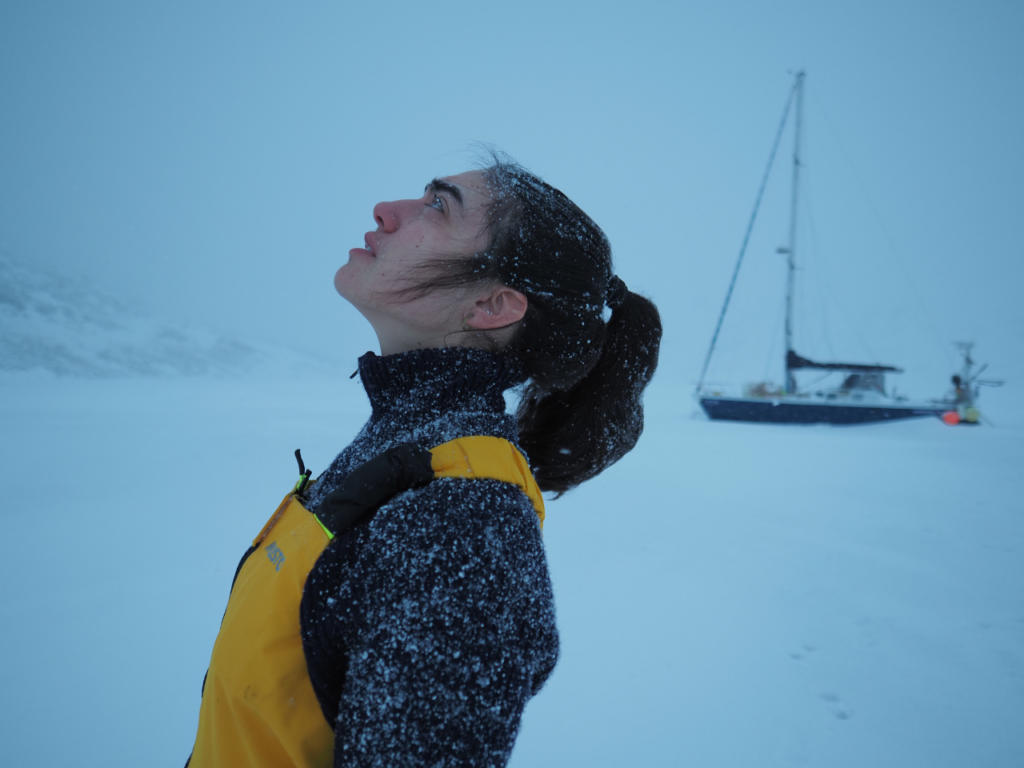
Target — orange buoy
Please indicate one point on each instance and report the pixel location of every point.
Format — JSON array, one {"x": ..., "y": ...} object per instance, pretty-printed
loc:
[{"x": 951, "y": 417}]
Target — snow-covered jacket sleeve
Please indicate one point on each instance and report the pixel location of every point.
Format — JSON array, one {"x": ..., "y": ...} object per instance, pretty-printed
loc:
[{"x": 455, "y": 629}]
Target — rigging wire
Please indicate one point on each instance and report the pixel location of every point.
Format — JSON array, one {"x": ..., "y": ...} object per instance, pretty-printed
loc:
[
  {"x": 746, "y": 236},
  {"x": 800, "y": 304},
  {"x": 818, "y": 380},
  {"x": 774, "y": 340},
  {"x": 929, "y": 319},
  {"x": 814, "y": 255},
  {"x": 825, "y": 287}
]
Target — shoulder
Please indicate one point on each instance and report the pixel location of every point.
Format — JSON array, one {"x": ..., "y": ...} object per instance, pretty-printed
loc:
[
  {"x": 455, "y": 519},
  {"x": 474, "y": 541},
  {"x": 489, "y": 513}
]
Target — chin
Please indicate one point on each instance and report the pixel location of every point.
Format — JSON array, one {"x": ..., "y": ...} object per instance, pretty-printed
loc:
[
  {"x": 343, "y": 280},
  {"x": 351, "y": 289}
]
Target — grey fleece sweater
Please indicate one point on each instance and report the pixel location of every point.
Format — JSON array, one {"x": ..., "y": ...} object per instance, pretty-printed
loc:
[{"x": 428, "y": 629}]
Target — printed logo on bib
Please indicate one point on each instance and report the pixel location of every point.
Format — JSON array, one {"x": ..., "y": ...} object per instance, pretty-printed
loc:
[{"x": 275, "y": 555}]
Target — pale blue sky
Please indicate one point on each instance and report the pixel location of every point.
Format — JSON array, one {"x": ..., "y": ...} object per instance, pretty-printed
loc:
[{"x": 216, "y": 161}]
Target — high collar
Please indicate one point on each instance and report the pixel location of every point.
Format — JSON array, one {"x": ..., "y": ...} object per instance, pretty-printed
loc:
[{"x": 433, "y": 380}]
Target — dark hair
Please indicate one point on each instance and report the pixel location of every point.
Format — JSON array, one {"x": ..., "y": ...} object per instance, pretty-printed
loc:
[{"x": 581, "y": 409}]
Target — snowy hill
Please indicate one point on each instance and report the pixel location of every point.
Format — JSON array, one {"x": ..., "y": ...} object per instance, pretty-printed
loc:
[{"x": 51, "y": 322}]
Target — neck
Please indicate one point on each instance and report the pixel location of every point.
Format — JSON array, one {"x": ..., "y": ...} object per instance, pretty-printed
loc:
[
  {"x": 438, "y": 380},
  {"x": 396, "y": 344},
  {"x": 395, "y": 337}
]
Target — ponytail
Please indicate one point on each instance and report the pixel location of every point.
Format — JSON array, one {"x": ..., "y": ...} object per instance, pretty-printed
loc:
[{"x": 575, "y": 434}]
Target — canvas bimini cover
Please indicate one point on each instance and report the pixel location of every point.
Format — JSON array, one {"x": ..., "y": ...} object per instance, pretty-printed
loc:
[{"x": 861, "y": 376}]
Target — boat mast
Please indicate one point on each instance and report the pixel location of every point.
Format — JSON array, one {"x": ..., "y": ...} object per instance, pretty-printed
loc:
[
  {"x": 746, "y": 236},
  {"x": 791, "y": 249}
]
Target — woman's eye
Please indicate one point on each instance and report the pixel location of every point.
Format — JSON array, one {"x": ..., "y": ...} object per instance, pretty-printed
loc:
[{"x": 438, "y": 203}]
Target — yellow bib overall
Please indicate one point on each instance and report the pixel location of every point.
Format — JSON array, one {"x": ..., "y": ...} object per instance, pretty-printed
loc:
[{"x": 259, "y": 708}]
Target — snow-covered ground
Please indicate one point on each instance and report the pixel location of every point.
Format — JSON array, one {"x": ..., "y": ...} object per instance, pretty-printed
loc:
[{"x": 728, "y": 595}]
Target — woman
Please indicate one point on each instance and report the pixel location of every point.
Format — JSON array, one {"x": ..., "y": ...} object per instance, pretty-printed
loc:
[{"x": 408, "y": 620}]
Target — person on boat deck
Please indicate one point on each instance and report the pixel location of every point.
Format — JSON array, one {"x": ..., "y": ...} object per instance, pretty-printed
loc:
[
  {"x": 414, "y": 633},
  {"x": 959, "y": 391}
]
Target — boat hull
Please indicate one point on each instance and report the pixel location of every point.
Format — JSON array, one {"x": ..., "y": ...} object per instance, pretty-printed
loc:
[{"x": 791, "y": 412}]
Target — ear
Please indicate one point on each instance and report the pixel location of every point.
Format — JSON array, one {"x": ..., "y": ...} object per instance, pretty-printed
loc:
[{"x": 501, "y": 307}]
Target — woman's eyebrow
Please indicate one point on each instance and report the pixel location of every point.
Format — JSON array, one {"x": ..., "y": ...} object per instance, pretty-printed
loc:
[{"x": 440, "y": 185}]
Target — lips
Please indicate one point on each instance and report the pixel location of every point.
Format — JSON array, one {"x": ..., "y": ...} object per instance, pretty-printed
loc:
[{"x": 371, "y": 243}]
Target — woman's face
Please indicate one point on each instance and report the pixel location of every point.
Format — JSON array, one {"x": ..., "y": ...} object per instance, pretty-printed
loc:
[{"x": 446, "y": 221}]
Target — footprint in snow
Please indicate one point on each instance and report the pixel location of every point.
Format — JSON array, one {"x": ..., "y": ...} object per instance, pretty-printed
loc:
[
  {"x": 837, "y": 707},
  {"x": 805, "y": 650}
]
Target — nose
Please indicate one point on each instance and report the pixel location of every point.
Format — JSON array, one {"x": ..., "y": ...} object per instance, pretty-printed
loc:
[{"x": 386, "y": 216}]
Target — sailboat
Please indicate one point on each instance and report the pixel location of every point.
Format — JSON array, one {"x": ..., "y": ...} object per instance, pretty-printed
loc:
[{"x": 861, "y": 397}]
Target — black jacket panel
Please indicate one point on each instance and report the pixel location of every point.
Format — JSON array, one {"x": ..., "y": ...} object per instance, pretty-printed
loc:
[{"x": 427, "y": 629}]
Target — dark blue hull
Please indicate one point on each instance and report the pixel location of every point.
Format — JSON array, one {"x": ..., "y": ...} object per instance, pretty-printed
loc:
[{"x": 780, "y": 412}]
